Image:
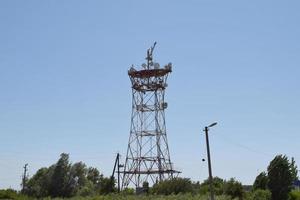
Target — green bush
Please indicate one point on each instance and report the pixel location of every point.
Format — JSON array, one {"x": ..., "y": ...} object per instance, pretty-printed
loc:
[
  {"x": 127, "y": 191},
  {"x": 146, "y": 187},
  {"x": 218, "y": 186},
  {"x": 294, "y": 195},
  {"x": 8, "y": 194},
  {"x": 174, "y": 186},
  {"x": 85, "y": 191},
  {"x": 234, "y": 189},
  {"x": 12, "y": 194},
  {"x": 261, "y": 195}
]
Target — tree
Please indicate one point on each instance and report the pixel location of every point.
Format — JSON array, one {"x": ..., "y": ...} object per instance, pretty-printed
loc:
[
  {"x": 261, "y": 181},
  {"x": 234, "y": 189},
  {"x": 38, "y": 185},
  {"x": 281, "y": 175},
  {"x": 107, "y": 185},
  {"x": 94, "y": 175},
  {"x": 78, "y": 176},
  {"x": 64, "y": 179},
  {"x": 294, "y": 169},
  {"x": 60, "y": 180},
  {"x": 218, "y": 186}
]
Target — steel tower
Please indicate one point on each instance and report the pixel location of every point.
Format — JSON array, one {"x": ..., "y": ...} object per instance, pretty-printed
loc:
[{"x": 148, "y": 156}]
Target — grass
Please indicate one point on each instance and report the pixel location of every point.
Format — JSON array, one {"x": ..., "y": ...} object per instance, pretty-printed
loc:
[{"x": 147, "y": 197}]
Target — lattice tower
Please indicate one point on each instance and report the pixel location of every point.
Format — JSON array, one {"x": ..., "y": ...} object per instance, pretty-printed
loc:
[{"x": 148, "y": 156}]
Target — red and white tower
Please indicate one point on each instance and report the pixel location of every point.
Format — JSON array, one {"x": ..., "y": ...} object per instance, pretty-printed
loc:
[{"x": 148, "y": 157}]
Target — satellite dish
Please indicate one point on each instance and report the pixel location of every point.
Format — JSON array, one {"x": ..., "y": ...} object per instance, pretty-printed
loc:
[
  {"x": 156, "y": 65},
  {"x": 144, "y": 65}
]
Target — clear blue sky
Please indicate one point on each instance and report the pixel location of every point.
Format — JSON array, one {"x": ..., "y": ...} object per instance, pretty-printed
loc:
[{"x": 64, "y": 84}]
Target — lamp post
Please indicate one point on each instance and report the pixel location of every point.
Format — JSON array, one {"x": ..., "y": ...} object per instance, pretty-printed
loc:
[{"x": 209, "y": 162}]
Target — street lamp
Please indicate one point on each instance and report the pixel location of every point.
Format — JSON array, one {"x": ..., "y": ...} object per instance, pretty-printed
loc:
[{"x": 209, "y": 162}]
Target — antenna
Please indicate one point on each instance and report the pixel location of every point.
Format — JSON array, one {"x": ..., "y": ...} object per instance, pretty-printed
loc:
[{"x": 149, "y": 57}]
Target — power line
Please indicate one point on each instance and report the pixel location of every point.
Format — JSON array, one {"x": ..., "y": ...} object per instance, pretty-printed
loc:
[{"x": 244, "y": 146}]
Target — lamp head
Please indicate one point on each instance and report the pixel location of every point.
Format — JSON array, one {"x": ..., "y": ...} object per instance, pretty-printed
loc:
[{"x": 213, "y": 124}]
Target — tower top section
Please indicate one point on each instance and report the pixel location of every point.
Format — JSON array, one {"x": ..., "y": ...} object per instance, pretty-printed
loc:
[{"x": 150, "y": 69}]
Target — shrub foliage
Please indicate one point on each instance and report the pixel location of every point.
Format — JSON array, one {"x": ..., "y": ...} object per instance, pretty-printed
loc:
[{"x": 174, "y": 186}]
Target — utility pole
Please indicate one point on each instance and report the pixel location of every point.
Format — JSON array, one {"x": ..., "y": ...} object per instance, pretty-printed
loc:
[
  {"x": 117, "y": 165},
  {"x": 209, "y": 162},
  {"x": 24, "y": 178}
]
